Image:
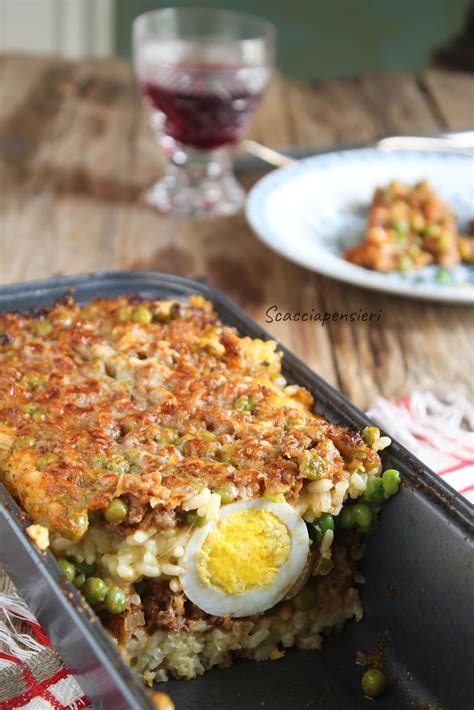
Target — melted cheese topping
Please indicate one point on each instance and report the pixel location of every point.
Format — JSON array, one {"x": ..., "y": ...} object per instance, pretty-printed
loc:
[{"x": 151, "y": 401}]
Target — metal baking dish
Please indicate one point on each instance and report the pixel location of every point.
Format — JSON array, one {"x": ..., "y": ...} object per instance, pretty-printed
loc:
[{"x": 418, "y": 570}]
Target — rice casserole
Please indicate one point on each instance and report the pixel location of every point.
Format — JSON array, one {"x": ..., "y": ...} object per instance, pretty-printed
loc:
[{"x": 185, "y": 487}]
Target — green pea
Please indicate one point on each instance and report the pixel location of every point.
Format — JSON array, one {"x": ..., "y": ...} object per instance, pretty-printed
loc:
[
  {"x": 142, "y": 587},
  {"x": 370, "y": 435},
  {"x": 115, "y": 601},
  {"x": 400, "y": 225},
  {"x": 42, "y": 327},
  {"x": 304, "y": 600},
  {"x": 227, "y": 493},
  {"x": 32, "y": 380},
  {"x": 68, "y": 568},
  {"x": 132, "y": 455},
  {"x": 374, "y": 492},
  {"x": 79, "y": 580},
  {"x": 192, "y": 518},
  {"x": 432, "y": 230},
  {"x": 86, "y": 568},
  {"x": 313, "y": 467},
  {"x": 345, "y": 519},
  {"x": 373, "y": 682},
  {"x": 116, "y": 511},
  {"x": 405, "y": 264},
  {"x": 245, "y": 403},
  {"x": 117, "y": 464},
  {"x": 141, "y": 314},
  {"x": 207, "y": 436},
  {"x": 24, "y": 441},
  {"x": 295, "y": 423},
  {"x": 99, "y": 461},
  {"x": 95, "y": 590},
  {"x": 391, "y": 481},
  {"x": 46, "y": 460},
  {"x": 29, "y": 408},
  {"x": 443, "y": 276},
  {"x": 167, "y": 435},
  {"x": 362, "y": 515},
  {"x": 326, "y": 522}
]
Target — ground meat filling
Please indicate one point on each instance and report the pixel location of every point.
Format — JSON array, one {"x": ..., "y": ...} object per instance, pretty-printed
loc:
[
  {"x": 172, "y": 611},
  {"x": 164, "y": 608},
  {"x": 121, "y": 626}
]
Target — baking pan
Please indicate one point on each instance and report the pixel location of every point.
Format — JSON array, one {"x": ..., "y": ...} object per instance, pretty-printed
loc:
[{"x": 418, "y": 570}]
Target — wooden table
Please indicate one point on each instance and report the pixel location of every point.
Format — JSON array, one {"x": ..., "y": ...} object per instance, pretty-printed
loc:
[{"x": 76, "y": 152}]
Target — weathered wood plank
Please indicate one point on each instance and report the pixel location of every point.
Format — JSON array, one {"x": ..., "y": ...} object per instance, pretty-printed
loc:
[
  {"x": 453, "y": 95},
  {"x": 272, "y": 124},
  {"x": 410, "y": 348},
  {"x": 399, "y": 104},
  {"x": 331, "y": 113}
]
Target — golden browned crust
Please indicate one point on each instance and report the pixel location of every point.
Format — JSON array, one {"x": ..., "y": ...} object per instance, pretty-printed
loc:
[{"x": 96, "y": 402}]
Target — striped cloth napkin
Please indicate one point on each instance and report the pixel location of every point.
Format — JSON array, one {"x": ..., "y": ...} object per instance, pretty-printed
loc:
[
  {"x": 32, "y": 675},
  {"x": 440, "y": 432}
]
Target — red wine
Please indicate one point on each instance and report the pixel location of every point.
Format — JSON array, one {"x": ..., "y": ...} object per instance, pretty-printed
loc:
[{"x": 211, "y": 108}]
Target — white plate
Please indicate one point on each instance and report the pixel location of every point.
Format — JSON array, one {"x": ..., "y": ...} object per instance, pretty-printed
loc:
[{"x": 312, "y": 210}]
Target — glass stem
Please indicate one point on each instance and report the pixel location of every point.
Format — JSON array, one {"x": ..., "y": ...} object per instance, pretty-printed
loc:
[
  {"x": 197, "y": 183},
  {"x": 202, "y": 165}
]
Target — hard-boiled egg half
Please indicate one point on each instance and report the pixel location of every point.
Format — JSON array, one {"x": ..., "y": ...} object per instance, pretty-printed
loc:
[{"x": 247, "y": 560}]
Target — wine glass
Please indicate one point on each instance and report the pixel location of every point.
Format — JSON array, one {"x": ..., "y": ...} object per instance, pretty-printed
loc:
[{"x": 202, "y": 73}]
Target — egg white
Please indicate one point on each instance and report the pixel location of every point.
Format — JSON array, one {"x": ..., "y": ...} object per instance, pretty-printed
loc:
[{"x": 219, "y": 603}]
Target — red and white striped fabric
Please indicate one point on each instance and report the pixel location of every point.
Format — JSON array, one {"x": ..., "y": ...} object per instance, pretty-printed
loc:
[
  {"x": 32, "y": 675},
  {"x": 439, "y": 432}
]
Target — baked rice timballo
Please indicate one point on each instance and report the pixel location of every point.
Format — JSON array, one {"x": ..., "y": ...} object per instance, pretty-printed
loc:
[{"x": 186, "y": 489}]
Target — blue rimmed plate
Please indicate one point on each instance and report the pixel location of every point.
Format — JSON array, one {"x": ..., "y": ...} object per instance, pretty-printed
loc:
[{"x": 312, "y": 210}]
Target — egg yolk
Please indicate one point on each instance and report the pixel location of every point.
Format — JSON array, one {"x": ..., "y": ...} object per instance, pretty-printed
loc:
[{"x": 244, "y": 552}]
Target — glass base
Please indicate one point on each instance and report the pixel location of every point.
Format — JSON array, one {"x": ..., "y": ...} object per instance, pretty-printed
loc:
[{"x": 197, "y": 185}]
